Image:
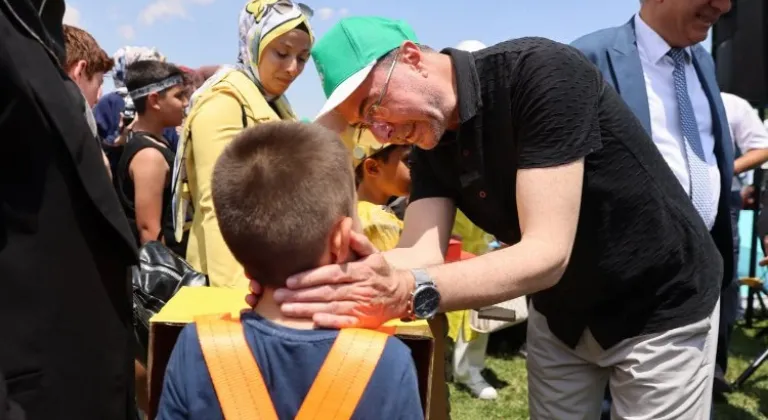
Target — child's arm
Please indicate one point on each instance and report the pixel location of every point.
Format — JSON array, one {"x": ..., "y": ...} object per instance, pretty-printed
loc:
[{"x": 149, "y": 172}]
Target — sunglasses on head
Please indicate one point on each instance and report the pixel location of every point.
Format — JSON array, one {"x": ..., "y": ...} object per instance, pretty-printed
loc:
[{"x": 286, "y": 6}]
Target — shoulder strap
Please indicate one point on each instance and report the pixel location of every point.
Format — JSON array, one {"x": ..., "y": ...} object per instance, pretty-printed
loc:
[
  {"x": 240, "y": 387},
  {"x": 344, "y": 375},
  {"x": 236, "y": 377}
]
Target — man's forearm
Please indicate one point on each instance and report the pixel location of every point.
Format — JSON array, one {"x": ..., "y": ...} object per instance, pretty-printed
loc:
[
  {"x": 518, "y": 270},
  {"x": 405, "y": 258}
]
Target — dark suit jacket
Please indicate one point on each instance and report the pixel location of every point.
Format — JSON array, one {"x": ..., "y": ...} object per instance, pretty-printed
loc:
[
  {"x": 614, "y": 52},
  {"x": 65, "y": 246}
]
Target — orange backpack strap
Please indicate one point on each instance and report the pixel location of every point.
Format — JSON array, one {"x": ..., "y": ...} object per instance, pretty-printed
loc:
[
  {"x": 236, "y": 377},
  {"x": 344, "y": 375}
]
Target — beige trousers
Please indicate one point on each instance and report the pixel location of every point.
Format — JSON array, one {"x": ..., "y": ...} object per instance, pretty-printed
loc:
[{"x": 658, "y": 376}]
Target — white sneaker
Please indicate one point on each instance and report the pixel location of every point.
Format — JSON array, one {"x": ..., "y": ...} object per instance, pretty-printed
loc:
[{"x": 482, "y": 390}]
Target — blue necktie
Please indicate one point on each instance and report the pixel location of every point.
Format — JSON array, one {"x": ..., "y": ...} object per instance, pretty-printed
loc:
[{"x": 698, "y": 172}]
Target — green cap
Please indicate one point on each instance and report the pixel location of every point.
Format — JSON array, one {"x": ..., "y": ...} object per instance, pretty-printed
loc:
[{"x": 348, "y": 51}]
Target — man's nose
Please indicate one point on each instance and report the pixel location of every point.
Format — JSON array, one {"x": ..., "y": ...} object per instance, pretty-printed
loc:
[{"x": 722, "y": 6}]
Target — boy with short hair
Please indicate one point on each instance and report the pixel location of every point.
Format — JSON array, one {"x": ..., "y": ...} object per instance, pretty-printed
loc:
[
  {"x": 285, "y": 199},
  {"x": 86, "y": 62},
  {"x": 381, "y": 172},
  {"x": 143, "y": 175}
]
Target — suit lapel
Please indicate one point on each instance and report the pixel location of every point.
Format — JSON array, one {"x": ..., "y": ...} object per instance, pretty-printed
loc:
[
  {"x": 628, "y": 73},
  {"x": 723, "y": 142}
]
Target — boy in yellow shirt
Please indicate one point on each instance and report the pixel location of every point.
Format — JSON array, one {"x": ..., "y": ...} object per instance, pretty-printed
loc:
[{"x": 382, "y": 172}]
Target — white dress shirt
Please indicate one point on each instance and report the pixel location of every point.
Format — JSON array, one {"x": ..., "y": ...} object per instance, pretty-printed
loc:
[
  {"x": 666, "y": 129},
  {"x": 747, "y": 131}
]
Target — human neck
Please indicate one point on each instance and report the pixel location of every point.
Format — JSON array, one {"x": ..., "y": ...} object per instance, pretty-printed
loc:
[
  {"x": 446, "y": 74},
  {"x": 270, "y": 310},
  {"x": 149, "y": 125},
  {"x": 653, "y": 21},
  {"x": 371, "y": 195}
]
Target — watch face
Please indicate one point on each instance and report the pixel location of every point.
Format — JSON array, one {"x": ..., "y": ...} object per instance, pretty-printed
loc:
[{"x": 426, "y": 301}]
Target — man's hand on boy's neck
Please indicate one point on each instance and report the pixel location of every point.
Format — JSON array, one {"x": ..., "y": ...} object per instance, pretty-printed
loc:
[{"x": 339, "y": 251}]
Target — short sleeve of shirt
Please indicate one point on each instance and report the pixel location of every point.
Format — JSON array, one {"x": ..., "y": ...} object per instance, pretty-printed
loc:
[
  {"x": 747, "y": 131},
  {"x": 424, "y": 180},
  {"x": 556, "y": 98}
]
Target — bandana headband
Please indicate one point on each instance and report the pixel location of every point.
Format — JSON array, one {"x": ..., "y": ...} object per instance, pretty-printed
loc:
[{"x": 156, "y": 87}]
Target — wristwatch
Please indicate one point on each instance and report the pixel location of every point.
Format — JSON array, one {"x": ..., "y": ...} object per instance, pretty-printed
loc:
[{"x": 425, "y": 299}]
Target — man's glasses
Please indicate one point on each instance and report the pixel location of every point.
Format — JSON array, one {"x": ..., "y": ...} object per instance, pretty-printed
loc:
[{"x": 381, "y": 130}]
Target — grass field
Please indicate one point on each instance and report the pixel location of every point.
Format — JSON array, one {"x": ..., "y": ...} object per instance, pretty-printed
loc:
[{"x": 508, "y": 374}]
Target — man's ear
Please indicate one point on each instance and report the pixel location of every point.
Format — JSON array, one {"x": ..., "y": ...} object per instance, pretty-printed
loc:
[
  {"x": 339, "y": 245},
  {"x": 411, "y": 54},
  {"x": 77, "y": 71}
]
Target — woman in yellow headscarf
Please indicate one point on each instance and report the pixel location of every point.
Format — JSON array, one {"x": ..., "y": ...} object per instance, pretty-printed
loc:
[{"x": 275, "y": 40}]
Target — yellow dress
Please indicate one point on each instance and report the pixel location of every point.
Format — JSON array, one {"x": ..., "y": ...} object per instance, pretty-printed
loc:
[{"x": 475, "y": 241}]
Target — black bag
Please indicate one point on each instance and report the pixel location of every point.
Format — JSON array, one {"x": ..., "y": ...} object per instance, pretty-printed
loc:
[{"x": 160, "y": 274}]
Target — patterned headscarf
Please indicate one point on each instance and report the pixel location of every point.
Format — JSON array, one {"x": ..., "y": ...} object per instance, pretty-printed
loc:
[
  {"x": 261, "y": 21},
  {"x": 128, "y": 55}
]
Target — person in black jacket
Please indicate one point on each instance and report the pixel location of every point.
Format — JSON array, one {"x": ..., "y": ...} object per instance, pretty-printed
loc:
[{"x": 65, "y": 244}]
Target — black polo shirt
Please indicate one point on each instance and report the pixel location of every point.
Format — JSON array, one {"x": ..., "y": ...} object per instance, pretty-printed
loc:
[{"x": 643, "y": 260}]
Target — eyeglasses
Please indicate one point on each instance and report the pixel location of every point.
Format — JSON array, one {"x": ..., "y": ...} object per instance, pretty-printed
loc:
[
  {"x": 381, "y": 130},
  {"x": 286, "y": 6}
]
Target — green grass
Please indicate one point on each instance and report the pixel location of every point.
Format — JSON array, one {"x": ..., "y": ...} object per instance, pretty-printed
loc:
[{"x": 509, "y": 375}]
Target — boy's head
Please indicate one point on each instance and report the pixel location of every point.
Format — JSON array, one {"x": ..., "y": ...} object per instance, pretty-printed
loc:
[
  {"x": 285, "y": 199},
  {"x": 383, "y": 167},
  {"x": 86, "y": 62},
  {"x": 157, "y": 89}
]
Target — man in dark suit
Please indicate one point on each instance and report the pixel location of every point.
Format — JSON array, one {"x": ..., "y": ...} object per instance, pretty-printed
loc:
[
  {"x": 656, "y": 64},
  {"x": 65, "y": 245}
]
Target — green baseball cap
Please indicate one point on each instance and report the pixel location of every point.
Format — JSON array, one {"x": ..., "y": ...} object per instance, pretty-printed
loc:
[{"x": 348, "y": 51}]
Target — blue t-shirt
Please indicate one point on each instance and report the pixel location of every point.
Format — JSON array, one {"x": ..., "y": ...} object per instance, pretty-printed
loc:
[{"x": 289, "y": 361}]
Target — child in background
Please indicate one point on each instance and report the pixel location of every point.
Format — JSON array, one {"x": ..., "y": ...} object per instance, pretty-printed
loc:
[
  {"x": 86, "y": 65},
  {"x": 382, "y": 172},
  {"x": 285, "y": 204},
  {"x": 143, "y": 176}
]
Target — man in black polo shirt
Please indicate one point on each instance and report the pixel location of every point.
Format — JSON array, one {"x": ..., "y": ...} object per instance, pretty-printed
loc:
[{"x": 527, "y": 139}]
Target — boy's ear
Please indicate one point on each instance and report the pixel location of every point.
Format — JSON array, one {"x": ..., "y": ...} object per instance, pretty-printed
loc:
[
  {"x": 152, "y": 100},
  {"x": 77, "y": 71},
  {"x": 339, "y": 245},
  {"x": 371, "y": 167}
]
